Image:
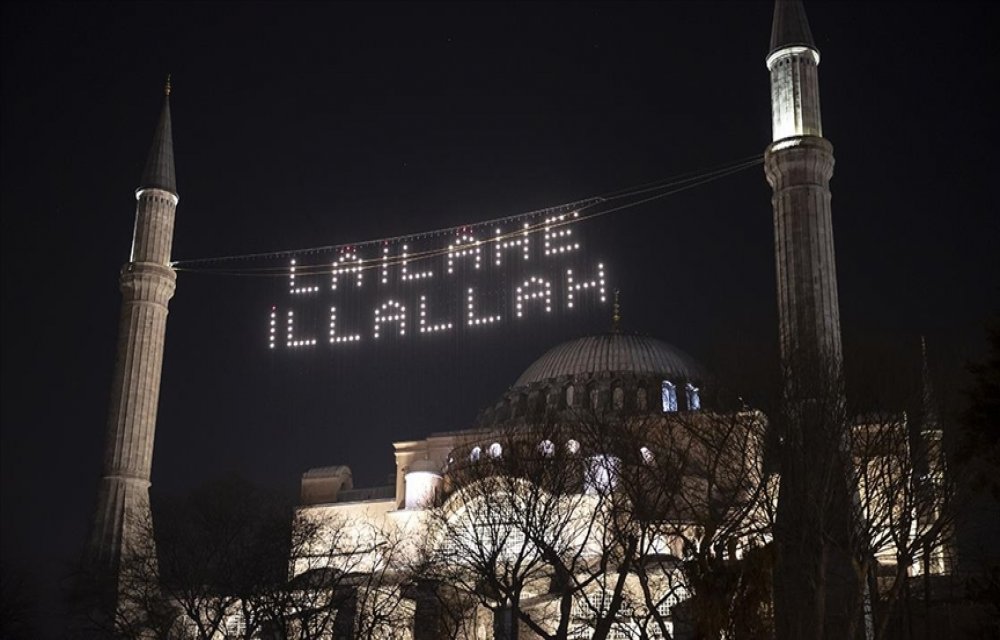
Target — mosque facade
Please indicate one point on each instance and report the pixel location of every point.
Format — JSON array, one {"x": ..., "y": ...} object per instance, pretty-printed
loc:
[{"x": 578, "y": 503}]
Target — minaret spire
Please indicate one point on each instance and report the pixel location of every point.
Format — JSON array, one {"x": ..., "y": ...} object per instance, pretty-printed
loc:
[
  {"x": 159, "y": 171},
  {"x": 121, "y": 524},
  {"x": 790, "y": 27},
  {"x": 793, "y": 60}
]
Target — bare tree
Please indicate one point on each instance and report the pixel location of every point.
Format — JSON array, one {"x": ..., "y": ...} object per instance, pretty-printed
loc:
[
  {"x": 691, "y": 514},
  {"x": 233, "y": 562},
  {"x": 520, "y": 532},
  {"x": 904, "y": 513},
  {"x": 601, "y": 524},
  {"x": 17, "y": 610}
]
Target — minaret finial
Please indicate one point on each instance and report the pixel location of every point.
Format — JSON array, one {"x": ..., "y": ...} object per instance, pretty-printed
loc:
[
  {"x": 616, "y": 314},
  {"x": 166, "y": 87}
]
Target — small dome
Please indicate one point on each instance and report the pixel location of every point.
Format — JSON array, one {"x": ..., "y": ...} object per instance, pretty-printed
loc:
[{"x": 614, "y": 353}]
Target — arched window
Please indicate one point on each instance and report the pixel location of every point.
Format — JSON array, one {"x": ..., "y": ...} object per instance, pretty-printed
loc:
[
  {"x": 640, "y": 399},
  {"x": 475, "y": 454},
  {"x": 694, "y": 400},
  {"x": 668, "y": 396},
  {"x": 595, "y": 397},
  {"x": 618, "y": 398},
  {"x": 521, "y": 405},
  {"x": 569, "y": 396},
  {"x": 547, "y": 448},
  {"x": 647, "y": 455},
  {"x": 496, "y": 450},
  {"x": 573, "y": 447},
  {"x": 601, "y": 474}
]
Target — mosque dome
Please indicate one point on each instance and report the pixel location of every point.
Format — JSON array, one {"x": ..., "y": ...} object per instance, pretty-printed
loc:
[
  {"x": 612, "y": 353},
  {"x": 615, "y": 373}
]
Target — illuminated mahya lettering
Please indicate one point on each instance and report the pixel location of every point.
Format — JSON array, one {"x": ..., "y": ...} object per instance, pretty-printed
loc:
[
  {"x": 271, "y": 337},
  {"x": 291, "y": 282},
  {"x": 516, "y": 240},
  {"x": 556, "y": 228},
  {"x": 430, "y": 328},
  {"x": 404, "y": 263},
  {"x": 542, "y": 292},
  {"x": 476, "y": 319},
  {"x": 595, "y": 284},
  {"x": 390, "y": 311},
  {"x": 334, "y": 338},
  {"x": 418, "y": 275},
  {"x": 291, "y": 341},
  {"x": 348, "y": 262},
  {"x": 511, "y": 247},
  {"x": 467, "y": 245}
]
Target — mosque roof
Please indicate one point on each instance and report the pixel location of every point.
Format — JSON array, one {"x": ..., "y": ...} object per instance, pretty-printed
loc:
[{"x": 612, "y": 352}]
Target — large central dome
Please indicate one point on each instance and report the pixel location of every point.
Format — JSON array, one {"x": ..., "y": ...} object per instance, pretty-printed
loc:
[{"x": 612, "y": 353}]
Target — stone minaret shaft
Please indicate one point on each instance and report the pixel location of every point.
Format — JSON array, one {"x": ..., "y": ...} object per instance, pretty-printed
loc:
[
  {"x": 147, "y": 284},
  {"x": 799, "y": 165}
]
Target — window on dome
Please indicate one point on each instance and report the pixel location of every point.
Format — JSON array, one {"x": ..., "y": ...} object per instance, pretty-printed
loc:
[
  {"x": 640, "y": 399},
  {"x": 569, "y": 396},
  {"x": 475, "y": 454},
  {"x": 572, "y": 447},
  {"x": 496, "y": 450},
  {"x": 668, "y": 396},
  {"x": 547, "y": 448},
  {"x": 618, "y": 398},
  {"x": 693, "y": 398}
]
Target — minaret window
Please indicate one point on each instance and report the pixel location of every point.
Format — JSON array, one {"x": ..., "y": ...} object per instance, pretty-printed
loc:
[
  {"x": 668, "y": 396},
  {"x": 693, "y": 398}
]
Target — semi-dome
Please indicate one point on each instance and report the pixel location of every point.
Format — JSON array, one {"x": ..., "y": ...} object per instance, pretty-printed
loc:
[{"x": 612, "y": 353}]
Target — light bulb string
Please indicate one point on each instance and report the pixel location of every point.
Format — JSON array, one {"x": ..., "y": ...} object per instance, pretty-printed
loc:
[{"x": 560, "y": 212}]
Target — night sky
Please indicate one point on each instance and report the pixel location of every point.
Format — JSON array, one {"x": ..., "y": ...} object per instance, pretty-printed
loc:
[{"x": 299, "y": 125}]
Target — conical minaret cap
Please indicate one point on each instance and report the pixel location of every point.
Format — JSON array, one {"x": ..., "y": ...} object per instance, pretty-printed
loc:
[
  {"x": 159, "y": 171},
  {"x": 790, "y": 27}
]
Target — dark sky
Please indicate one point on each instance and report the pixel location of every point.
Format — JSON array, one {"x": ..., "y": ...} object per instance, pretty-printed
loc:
[{"x": 297, "y": 125}]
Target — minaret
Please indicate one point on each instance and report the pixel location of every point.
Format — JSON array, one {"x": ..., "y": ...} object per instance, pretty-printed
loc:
[
  {"x": 935, "y": 560},
  {"x": 814, "y": 584},
  {"x": 147, "y": 284},
  {"x": 799, "y": 165}
]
